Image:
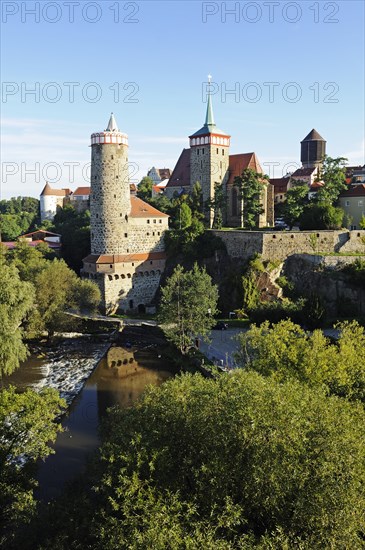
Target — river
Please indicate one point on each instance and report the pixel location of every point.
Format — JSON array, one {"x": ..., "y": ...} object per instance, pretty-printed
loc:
[{"x": 119, "y": 379}]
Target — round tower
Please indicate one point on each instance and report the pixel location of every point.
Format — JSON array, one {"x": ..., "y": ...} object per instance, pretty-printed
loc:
[
  {"x": 313, "y": 150},
  {"x": 110, "y": 202}
]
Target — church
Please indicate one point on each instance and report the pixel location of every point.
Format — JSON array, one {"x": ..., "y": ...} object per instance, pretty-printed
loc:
[{"x": 209, "y": 162}]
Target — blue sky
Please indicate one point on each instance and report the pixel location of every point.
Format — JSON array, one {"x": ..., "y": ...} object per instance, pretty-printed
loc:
[{"x": 293, "y": 66}]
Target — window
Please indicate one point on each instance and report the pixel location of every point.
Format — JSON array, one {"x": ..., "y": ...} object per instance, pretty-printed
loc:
[
  {"x": 154, "y": 221},
  {"x": 347, "y": 203},
  {"x": 223, "y": 152},
  {"x": 110, "y": 266},
  {"x": 360, "y": 202},
  {"x": 217, "y": 150},
  {"x": 126, "y": 235},
  {"x": 197, "y": 151},
  {"x": 148, "y": 221},
  {"x": 203, "y": 151},
  {"x": 160, "y": 221}
]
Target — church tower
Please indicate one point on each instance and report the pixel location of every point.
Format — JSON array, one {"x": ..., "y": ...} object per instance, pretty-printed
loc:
[
  {"x": 110, "y": 201},
  {"x": 209, "y": 157},
  {"x": 313, "y": 150}
]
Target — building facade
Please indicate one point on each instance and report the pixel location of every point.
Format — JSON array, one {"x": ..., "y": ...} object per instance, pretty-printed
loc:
[
  {"x": 209, "y": 162},
  {"x": 127, "y": 246}
]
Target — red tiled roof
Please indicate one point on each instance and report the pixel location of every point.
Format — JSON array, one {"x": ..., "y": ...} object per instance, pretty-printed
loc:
[
  {"x": 280, "y": 184},
  {"x": 47, "y": 190},
  {"x": 157, "y": 189},
  {"x": 40, "y": 231},
  {"x": 354, "y": 191},
  {"x": 303, "y": 172},
  {"x": 180, "y": 176},
  {"x": 141, "y": 209},
  {"x": 238, "y": 163},
  {"x": 82, "y": 191},
  {"x": 317, "y": 185},
  {"x": 123, "y": 258}
]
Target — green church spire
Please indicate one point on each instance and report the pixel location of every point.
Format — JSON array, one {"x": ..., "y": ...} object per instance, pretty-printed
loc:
[{"x": 209, "y": 119}]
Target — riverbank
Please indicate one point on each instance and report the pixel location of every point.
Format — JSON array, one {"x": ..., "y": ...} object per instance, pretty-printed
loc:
[{"x": 63, "y": 364}]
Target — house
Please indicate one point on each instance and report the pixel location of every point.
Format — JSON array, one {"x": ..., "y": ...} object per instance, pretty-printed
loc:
[{"x": 352, "y": 201}]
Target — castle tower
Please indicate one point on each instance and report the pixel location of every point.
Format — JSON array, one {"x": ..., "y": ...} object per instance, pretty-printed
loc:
[
  {"x": 127, "y": 235},
  {"x": 110, "y": 201},
  {"x": 313, "y": 150},
  {"x": 209, "y": 157}
]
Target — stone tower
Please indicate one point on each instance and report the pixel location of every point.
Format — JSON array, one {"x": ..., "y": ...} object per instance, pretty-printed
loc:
[
  {"x": 127, "y": 235},
  {"x": 209, "y": 158},
  {"x": 110, "y": 201},
  {"x": 313, "y": 150}
]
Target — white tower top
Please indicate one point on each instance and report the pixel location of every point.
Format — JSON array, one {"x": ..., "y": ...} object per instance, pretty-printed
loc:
[{"x": 110, "y": 135}]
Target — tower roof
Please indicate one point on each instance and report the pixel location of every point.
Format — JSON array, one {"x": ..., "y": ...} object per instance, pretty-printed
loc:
[
  {"x": 209, "y": 125},
  {"x": 112, "y": 124},
  {"x": 313, "y": 136}
]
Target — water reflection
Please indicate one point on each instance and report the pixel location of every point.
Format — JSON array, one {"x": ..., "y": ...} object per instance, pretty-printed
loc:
[{"x": 119, "y": 379}]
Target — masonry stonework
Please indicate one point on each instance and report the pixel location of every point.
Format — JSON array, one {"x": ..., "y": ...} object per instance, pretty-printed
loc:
[
  {"x": 127, "y": 235},
  {"x": 282, "y": 244}
]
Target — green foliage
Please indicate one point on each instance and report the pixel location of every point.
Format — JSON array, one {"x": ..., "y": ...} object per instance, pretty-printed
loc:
[
  {"x": 188, "y": 305},
  {"x": 250, "y": 185},
  {"x": 321, "y": 216},
  {"x": 251, "y": 294},
  {"x": 16, "y": 301},
  {"x": 74, "y": 228},
  {"x": 17, "y": 216},
  {"x": 285, "y": 351},
  {"x": 333, "y": 176},
  {"x": 361, "y": 222},
  {"x": 144, "y": 190},
  {"x": 277, "y": 310},
  {"x": 59, "y": 289},
  {"x": 295, "y": 202},
  {"x": 356, "y": 272},
  {"x": 27, "y": 427},
  {"x": 238, "y": 462}
]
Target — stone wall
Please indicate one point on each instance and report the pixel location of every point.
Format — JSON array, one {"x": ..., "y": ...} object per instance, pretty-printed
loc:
[
  {"x": 109, "y": 199},
  {"x": 278, "y": 245},
  {"x": 209, "y": 167}
]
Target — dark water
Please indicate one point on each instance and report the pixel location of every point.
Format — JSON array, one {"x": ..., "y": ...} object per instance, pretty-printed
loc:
[{"x": 119, "y": 379}]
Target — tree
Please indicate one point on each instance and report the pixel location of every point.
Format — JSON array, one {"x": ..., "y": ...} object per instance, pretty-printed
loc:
[
  {"x": 362, "y": 222},
  {"x": 16, "y": 301},
  {"x": 74, "y": 228},
  {"x": 321, "y": 216},
  {"x": 244, "y": 459},
  {"x": 58, "y": 289},
  {"x": 188, "y": 305},
  {"x": 285, "y": 351},
  {"x": 185, "y": 217},
  {"x": 218, "y": 205},
  {"x": 250, "y": 186},
  {"x": 196, "y": 201},
  {"x": 332, "y": 174},
  {"x": 296, "y": 199},
  {"x": 27, "y": 427},
  {"x": 144, "y": 190}
]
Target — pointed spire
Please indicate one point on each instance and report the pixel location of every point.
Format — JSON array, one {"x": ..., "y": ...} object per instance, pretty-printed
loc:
[
  {"x": 209, "y": 119},
  {"x": 112, "y": 124}
]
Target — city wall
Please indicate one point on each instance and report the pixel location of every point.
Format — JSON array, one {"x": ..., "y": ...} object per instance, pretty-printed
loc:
[{"x": 279, "y": 245}]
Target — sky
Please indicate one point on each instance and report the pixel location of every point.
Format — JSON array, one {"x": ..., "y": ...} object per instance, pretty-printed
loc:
[{"x": 278, "y": 70}]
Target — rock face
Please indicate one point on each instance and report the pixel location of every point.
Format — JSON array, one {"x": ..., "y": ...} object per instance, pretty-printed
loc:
[{"x": 325, "y": 277}]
